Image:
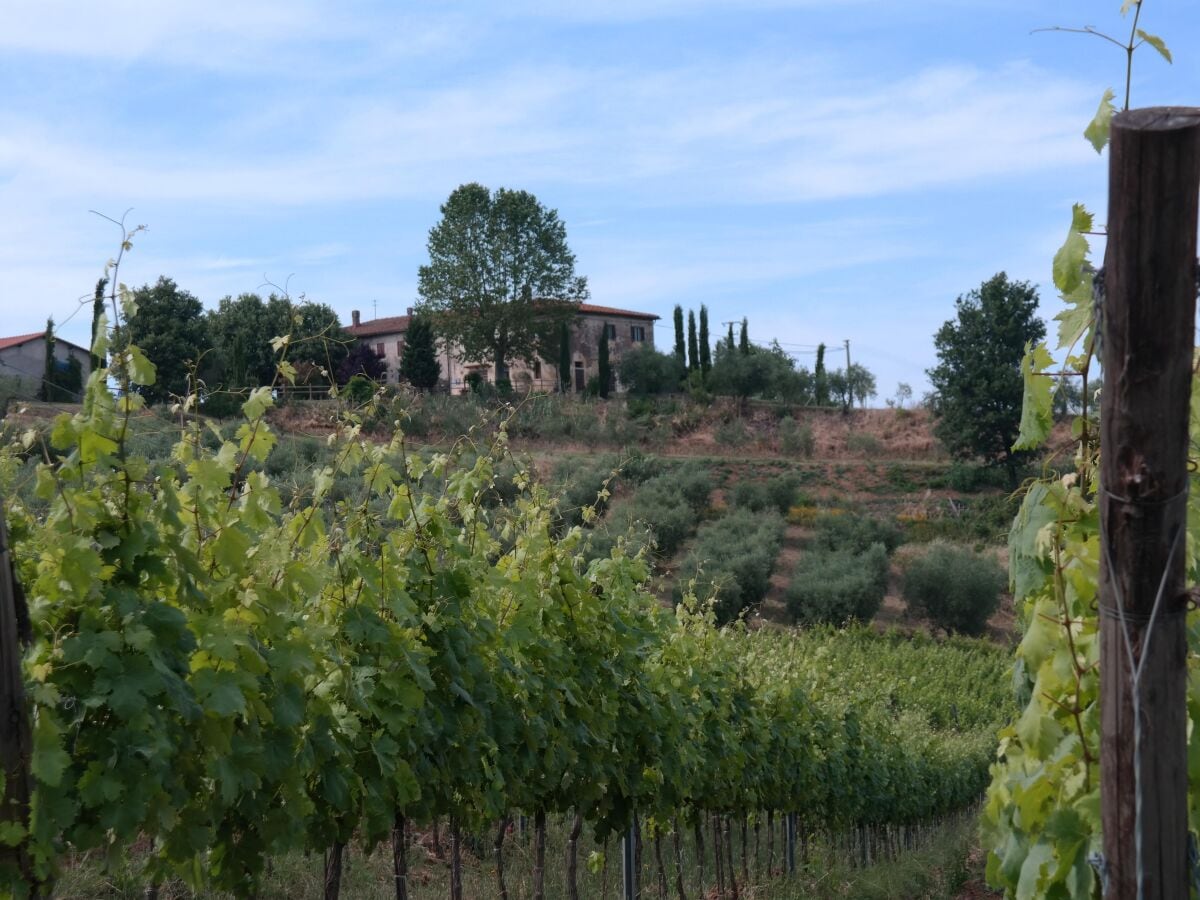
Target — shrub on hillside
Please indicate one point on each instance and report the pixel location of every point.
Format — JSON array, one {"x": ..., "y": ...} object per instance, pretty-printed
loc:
[
  {"x": 856, "y": 533},
  {"x": 731, "y": 434},
  {"x": 796, "y": 439},
  {"x": 954, "y": 588},
  {"x": 644, "y": 371},
  {"x": 670, "y": 505},
  {"x": 833, "y": 587},
  {"x": 578, "y": 484},
  {"x": 777, "y": 493},
  {"x": 732, "y": 559}
]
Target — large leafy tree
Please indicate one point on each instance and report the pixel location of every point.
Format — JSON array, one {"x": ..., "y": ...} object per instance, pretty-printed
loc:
[
  {"x": 170, "y": 329},
  {"x": 977, "y": 385},
  {"x": 317, "y": 342},
  {"x": 361, "y": 360},
  {"x": 418, "y": 363},
  {"x": 241, "y": 332},
  {"x": 501, "y": 279}
]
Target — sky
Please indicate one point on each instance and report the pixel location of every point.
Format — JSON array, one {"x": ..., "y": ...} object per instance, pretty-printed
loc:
[{"x": 837, "y": 170}]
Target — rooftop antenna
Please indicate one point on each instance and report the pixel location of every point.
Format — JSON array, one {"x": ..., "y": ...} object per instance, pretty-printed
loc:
[{"x": 375, "y": 309}]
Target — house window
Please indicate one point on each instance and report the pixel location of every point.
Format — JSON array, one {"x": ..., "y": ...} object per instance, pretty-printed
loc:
[
  {"x": 637, "y": 332},
  {"x": 611, "y": 331},
  {"x": 379, "y": 349}
]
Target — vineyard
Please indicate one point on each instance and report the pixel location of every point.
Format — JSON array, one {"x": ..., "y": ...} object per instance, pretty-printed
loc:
[{"x": 225, "y": 676}]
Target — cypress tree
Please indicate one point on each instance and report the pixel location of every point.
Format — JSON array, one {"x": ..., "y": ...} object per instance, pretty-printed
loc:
[
  {"x": 419, "y": 365},
  {"x": 693, "y": 353},
  {"x": 729, "y": 340},
  {"x": 564, "y": 358},
  {"x": 820, "y": 378},
  {"x": 98, "y": 307},
  {"x": 48, "y": 390},
  {"x": 603, "y": 364},
  {"x": 680, "y": 349},
  {"x": 705, "y": 349},
  {"x": 744, "y": 338}
]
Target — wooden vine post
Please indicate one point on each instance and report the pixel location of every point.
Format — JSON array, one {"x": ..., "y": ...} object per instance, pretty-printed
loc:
[
  {"x": 16, "y": 740},
  {"x": 1147, "y": 347}
]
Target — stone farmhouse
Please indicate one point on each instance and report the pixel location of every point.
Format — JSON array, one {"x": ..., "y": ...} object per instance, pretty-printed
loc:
[
  {"x": 23, "y": 359},
  {"x": 626, "y": 329}
]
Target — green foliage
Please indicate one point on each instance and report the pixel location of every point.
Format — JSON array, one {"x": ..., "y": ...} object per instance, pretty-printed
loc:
[
  {"x": 862, "y": 443},
  {"x": 223, "y": 677},
  {"x": 705, "y": 347},
  {"x": 954, "y": 588},
  {"x": 363, "y": 363},
  {"x": 731, "y": 562},
  {"x": 744, "y": 338},
  {"x": 1041, "y": 822},
  {"x": 670, "y": 505},
  {"x": 778, "y": 493},
  {"x": 359, "y": 390},
  {"x": 833, "y": 587},
  {"x": 680, "y": 346},
  {"x": 99, "y": 305},
  {"x": 419, "y": 364},
  {"x": 241, "y": 332},
  {"x": 645, "y": 372},
  {"x": 856, "y": 533},
  {"x": 857, "y": 387},
  {"x": 796, "y": 439},
  {"x": 820, "y": 379},
  {"x": 977, "y": 381},
  {"x": 170, "y": 331},
  {"x": 693, "y": 355},
  {"x": 501, "y": 279},
  {"x": 770, "y": 374},
  {"x": 731, "y": 434}
]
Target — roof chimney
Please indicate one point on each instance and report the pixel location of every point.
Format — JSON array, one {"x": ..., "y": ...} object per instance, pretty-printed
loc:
[
  {"x": 354, "y": 317},
  {"x": 410, "y": 312}
]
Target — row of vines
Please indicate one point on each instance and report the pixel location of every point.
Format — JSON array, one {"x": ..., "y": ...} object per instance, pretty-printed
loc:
[{"x": 230, "y": 676}]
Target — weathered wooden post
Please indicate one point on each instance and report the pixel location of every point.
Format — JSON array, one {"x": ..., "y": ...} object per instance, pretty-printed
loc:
[
  {"x": 1148, "y": 340},
  {"x": 629, "y": 873},
  {"x": 16, "y": 743}
]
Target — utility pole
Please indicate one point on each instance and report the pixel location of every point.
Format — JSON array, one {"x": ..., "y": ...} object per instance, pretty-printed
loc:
[{"x": 1148, "y": 345}]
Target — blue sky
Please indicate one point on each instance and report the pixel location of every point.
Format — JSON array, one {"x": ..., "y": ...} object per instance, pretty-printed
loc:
[{"x": 831, "y": 170}]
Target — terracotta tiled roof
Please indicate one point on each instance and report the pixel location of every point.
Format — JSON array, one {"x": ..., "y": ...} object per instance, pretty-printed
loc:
[
  {"x": 591, "y": 309},
  {"x": 386, "y": 325},
  {"x": 18, "y": 340},
  {"x": 399, "y": 324}
]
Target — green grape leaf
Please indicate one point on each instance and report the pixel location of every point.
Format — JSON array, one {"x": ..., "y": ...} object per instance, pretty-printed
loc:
[
  {"x": 141, "y": 370},
  {"x": 49, "y": 759},
  {"x": 1038, "y": 730},
  {"x": 1157, "y": 43},
  {"x": 1099, "y": 129},
  {"x": 1039, "y": 857},
  {"x": 1037, "y": 416},
  {"x": 1068, "y": 268},
  {"x": 259, "y": 401},
  {"x": 219, "y": 692},
  {"x": 12, "y": 834}
]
